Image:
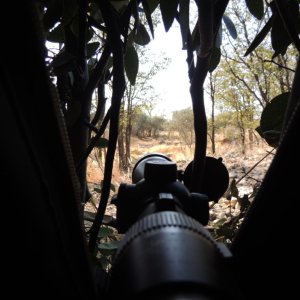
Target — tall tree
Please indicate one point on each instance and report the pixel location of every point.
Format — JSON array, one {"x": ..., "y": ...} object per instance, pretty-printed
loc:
[
  {"x": 258, "y": 76},
  {"x": 183, "y": 122},
  {"x": 212, "y": 92},
  {"x": 140, "y": 96},
  {"x": 249, "y": 80}
]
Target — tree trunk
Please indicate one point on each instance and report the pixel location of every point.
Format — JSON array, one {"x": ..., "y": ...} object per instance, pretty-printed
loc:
[
  {"x": 213, "y": 142},
  {"x": 128, "y": 144},
  {"x": 121, "y": 149},
  {"x": 243, "y": 138},
  {"x": 212, "y": 95},
  {"x": 251, "y": 138},
  {"x": 128, "y": 131}
]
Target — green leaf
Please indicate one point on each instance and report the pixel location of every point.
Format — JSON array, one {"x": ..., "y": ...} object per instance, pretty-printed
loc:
[
  {"x": 225, "y": 231},
  {"x": 195, "y": 36},
  {"x": 147, "y": 12},
  {"x": 112, "y": 187},
  {"x": 70, "y": 8},
  {"x": 152, "y": 4},
  {"x": 272, "y": 117},
  {"x": 101, "y": 143},
  {"x": 111, "y": 245},
  {"x": 106, "y": 252},
  {"x": 220, "y": 222},
  {"x": 233, "y": 189},
  {"x": 75, "y": 30},
  {"x": 56, "y": 35},
  {"x": 97, "y": 190},
  {"x": 89, "y": 216},
  {"x": 91, "y": 49},
  {"x": 272, "y": 137},
  {"x": 119, "y": 5},
  {"x": 258, "y": 129},
  {"x": 256, "y": 8},
  {"x": 75, "y": 27},
  {"x": 279, "y": 36},
  {"x": 273, "y": 113},
  {"x": 168, "y": 10},
  {"x": 142, "y": 37},
  {"x": 214, "y": 59},
  {"x": 62, "y": 58},
  {"x": 130, "y": 38},
  {"x": 261, "y": 36},
  {"x": 184, "y": 8},
  {"x": 131, "y": 62},
  {"x": 105, "y": 232},
  {"x": 92, "y": 63},
  {"x": 218, "y": 41},
  {"x": 230, "y": 26},
  {"x": 108, "y": 219}
]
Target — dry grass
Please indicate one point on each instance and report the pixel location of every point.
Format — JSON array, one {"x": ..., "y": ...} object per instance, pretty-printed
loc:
[
  {"x": 176, "y": 151},
  {"x": 236, "y": 162}
]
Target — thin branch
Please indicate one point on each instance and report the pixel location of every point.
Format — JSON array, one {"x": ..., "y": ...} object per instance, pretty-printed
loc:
[
  {"x": 205, "y": 24},
  {"x": 101, "y": 103},
  {"x": 98, "y": 72},
  {"x": 114, "y": 39},
  {"x": 279, "y": 65},
  {"x": 91, "y": 126},
  {"x": 95, "y": 139},
  {"x": 209, "y": 18},
  {"x": 243, "y": 80},
  {"x": 287, "y": 21},
  {"x": 257, "y": 180},
  {"x": 254, "y": 166}
]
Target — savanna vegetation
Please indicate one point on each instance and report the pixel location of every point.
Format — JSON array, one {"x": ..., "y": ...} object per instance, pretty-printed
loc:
[{"x": 243, "y": 54}]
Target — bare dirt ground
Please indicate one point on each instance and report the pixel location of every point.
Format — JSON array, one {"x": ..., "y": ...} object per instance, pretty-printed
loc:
[{"x": 237, "y": 163}]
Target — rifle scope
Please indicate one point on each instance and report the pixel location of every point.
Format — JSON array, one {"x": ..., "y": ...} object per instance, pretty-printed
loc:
[{"x": 166, "y": 253}]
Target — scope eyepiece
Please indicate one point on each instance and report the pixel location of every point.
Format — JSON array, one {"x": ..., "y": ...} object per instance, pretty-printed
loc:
[{"x": 168, "y": 255}]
